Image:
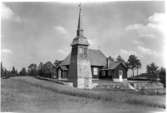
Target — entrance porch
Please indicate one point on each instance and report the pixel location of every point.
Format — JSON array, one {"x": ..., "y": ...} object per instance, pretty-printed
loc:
[{"x": 116, "y": 75}]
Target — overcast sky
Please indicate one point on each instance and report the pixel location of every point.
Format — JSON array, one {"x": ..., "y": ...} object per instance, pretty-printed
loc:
[{"x": 40, "y": 32}]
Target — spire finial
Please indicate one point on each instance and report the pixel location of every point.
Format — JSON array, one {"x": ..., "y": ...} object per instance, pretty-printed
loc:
[{"x": 79, "y": 29}]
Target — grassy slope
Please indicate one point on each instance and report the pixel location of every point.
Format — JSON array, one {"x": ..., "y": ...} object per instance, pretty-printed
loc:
[{"x": 21, "y": 94}]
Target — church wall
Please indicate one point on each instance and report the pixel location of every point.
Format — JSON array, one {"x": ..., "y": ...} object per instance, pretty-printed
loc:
[
  {"x": 73, "y": 65},
  {"x": 94, "y": 75},
  {"x": 96, "y": 71},
  {"x": 109, "y": 73}
]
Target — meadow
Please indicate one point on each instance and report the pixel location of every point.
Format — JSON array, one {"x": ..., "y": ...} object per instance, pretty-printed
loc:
[{"x": 28, "y": 94}]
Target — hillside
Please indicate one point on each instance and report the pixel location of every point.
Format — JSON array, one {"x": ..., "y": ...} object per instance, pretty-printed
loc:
[{"x": 33, "y": 95}]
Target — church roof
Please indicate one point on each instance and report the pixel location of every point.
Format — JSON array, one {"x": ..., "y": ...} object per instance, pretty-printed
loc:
[
  {"x": 96, "y": 58},
  {"x": 63, "y": 67},
  {"x": 114, "y": 65}
]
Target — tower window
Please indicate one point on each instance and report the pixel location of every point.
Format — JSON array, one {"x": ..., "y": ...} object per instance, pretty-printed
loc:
[
  {"x": 85, "y": 51},
  {"x": 80, "y": 50}
]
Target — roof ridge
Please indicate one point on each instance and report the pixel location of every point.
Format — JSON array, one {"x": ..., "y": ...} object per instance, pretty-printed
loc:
[{"x": 95, "y": 56}]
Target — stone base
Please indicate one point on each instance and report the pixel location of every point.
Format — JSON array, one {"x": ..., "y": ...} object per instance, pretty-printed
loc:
[{"x": 84, "y": 83}]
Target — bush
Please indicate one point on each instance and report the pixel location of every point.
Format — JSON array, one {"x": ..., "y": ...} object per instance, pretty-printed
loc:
[{"x": 162, "y": 76}]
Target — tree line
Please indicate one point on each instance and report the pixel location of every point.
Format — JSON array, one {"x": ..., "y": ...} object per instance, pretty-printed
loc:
[{"x": 48, "y": 69}]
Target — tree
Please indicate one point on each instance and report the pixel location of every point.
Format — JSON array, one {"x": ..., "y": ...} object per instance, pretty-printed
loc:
[
  {"x": 152, "y": 68},
  {"x": 110, "y": 58},
  {"x": 138, "y": 65},
  {"x": 57, "y": 63},
  {"x": 6, "y": 72},
  {"x": 23, "y": 71},
  {"x": 162, "y": 76},
  {"x": 41, "y": 69},
  {"x": 132, "y": 63},
  {"x": 2, "y": 69},
  {"x": 48, "y": 69},
  {"x": 120, "y": 59},
  {"x": 32, "y": 69},
  {"x": 14, "y": 71}
]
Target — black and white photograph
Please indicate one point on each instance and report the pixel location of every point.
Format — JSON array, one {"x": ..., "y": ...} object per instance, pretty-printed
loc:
[{"x": 83, "y": 56}]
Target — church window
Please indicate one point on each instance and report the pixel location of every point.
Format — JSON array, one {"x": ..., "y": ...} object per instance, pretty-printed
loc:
[{"x": 95, "y": 71}]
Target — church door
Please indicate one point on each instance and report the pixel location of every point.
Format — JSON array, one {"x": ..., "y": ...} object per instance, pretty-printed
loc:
[
  {"x": 59, "y": 73},
  {"x": 120, "y": 75}
]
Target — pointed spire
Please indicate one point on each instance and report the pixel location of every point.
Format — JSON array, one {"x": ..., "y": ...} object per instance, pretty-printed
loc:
[
  {"x": 79, "y": 29},
  {"x": 80, "y": 39}
]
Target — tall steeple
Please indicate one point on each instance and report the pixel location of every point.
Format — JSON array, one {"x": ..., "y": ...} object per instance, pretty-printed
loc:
[
  {"x": 80, "y": 68},
  {"x": 79, "y": 28},
  {"x": 80, "y": 39}
]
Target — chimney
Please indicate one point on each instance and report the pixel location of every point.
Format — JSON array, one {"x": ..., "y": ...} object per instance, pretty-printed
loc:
[{"x": 108, "y": 62}]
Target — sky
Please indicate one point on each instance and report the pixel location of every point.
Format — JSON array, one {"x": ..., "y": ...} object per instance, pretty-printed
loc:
[{"x": 34, "y": 32}]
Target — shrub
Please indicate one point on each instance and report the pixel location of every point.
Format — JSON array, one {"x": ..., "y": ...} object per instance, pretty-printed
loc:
[{"x": 162, "y": 76}]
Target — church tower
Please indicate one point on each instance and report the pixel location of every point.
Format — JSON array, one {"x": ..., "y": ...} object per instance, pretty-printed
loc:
[{"x": 80, "y": 69}]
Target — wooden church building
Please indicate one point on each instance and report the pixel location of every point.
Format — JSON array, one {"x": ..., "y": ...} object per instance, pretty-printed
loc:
[
  {"x": 102, "y": 67},
  {"x": 87, "y": 63}
]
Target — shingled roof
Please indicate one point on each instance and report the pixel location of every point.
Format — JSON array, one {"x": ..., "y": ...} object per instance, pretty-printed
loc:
[
  {"x": 96, "y": 58},
  {"x": 114, "y": 65}
]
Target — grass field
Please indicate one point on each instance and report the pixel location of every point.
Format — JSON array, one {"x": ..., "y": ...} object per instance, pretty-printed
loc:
[{"x": 27, "y": 94}]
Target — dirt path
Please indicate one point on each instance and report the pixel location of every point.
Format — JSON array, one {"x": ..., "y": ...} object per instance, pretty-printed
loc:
[{"x": 18, "y": 95}]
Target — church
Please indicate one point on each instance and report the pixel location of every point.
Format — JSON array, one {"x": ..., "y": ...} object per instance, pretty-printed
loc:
[{"x": 83, "y": 65}]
